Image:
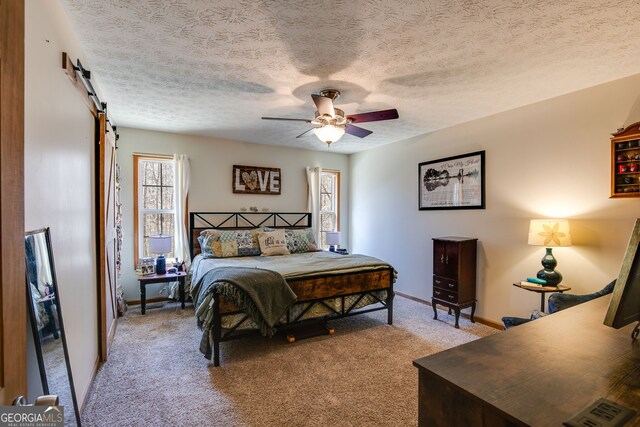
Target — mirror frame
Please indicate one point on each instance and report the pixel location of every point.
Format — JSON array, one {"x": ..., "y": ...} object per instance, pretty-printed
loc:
[{"x": 34, "y": 327}]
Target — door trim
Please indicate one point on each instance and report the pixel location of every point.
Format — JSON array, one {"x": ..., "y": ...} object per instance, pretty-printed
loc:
[{"x": 13, "y": 329}]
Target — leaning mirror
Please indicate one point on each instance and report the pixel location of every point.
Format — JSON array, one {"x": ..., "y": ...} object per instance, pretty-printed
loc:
[{"x": 45, "y": 312}]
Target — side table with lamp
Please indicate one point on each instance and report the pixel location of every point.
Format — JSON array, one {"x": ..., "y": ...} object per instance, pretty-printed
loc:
[
  {"x": 332, "y": 238},
  {"x": 160, "y": 245},
  {"x": 179, "y": 276},
  {"x": 549, "y": 233}
]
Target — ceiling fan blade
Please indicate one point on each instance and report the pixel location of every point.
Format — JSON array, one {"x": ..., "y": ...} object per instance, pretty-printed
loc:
[
  {"x": 357, "y": 131},
  {"x": 324, "y": 105},
  {"x": 308, "y": 130},
  {"x": 282, "y": 118},
  {"x": 374, "y": 116}
]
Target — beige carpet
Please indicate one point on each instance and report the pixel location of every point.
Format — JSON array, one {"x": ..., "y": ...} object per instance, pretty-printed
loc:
[{"x": 361, "y": 376}]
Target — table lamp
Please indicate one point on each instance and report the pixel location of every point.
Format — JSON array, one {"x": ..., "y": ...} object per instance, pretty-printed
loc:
[
  {"x": 332, "y": 239},
  {"x": 160, "y": 245},
  {"x": 549, "y": 233}
]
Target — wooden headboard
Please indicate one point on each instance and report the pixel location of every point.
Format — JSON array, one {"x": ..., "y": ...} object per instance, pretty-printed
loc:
[{"x": 199, "y": 221}]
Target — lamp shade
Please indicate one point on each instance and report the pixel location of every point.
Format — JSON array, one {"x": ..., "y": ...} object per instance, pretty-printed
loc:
[
  {"x": 159, "y": 244},
  {"x": 329, "y": 133},
  {"x": 549, "y": 232},
  {"x": 332, "y": 238}
]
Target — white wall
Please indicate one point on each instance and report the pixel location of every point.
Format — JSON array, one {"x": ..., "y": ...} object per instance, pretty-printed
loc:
[
  {"x": 211, "y": 181},
  {"x": 59, "y": 177},
  {"x": 550, "y": 159}
]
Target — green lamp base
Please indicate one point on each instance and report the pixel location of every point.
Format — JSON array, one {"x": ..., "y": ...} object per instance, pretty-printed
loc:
[{"x": 549, "y": 273}]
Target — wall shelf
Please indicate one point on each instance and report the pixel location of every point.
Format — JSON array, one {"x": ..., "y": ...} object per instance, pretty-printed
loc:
[{"x": 625, "y": 162}]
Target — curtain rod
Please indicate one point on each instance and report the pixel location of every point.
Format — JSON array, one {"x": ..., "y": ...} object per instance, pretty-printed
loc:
[{"x": 137, "y": 153}]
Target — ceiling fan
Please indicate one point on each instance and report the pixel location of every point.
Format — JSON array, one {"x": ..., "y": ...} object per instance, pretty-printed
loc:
[{"x": 331, "y": 123}]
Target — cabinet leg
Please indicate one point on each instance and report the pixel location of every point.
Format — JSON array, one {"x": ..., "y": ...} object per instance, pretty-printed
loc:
[
  {"x": 473, "y": 312},
  {"x": 143, "y": 297},
  {"x": 457, "y": 317},
  {"x": 435, "y": 310},
  {"x": 181, "y": 290}
]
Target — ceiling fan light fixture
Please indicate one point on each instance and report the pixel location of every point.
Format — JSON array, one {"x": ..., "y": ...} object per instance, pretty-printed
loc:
[{"x": 329, "y": 133}]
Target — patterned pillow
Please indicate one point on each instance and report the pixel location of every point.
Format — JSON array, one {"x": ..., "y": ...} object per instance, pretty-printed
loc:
[
  {"x": 273, "y": 243},
  {"x": 230, "y": 243},
  {"x": 299, "y": 240},
  {"x": 219, "y": 249}
]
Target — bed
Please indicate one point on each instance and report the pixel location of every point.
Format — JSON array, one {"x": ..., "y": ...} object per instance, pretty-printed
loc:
[{"x": 327, "y": 285}]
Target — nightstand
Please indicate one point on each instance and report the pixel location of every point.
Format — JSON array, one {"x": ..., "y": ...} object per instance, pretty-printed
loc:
[{"x": 179, "y": 277}]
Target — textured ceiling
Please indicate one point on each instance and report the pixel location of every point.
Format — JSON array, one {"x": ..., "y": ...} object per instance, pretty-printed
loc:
[{"x": 215, "y": 67}]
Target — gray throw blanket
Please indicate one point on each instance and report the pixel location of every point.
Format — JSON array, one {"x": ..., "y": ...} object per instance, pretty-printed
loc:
[{"x": 262, "y": 294}]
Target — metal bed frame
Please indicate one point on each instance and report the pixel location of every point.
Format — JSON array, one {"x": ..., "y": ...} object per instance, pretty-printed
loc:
[{"x": 359, "y": 284}]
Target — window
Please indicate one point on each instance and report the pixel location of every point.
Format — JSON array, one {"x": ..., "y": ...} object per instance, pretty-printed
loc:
[
  {"x": 329, "y": 203},
  {"x": 154, "y": 205}
]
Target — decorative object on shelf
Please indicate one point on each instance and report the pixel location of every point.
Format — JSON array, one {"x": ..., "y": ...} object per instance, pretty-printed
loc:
[
  {"x": 625, "y": 154},
  {"x": 256, "y": 180},
  {"x": 160, "y": 245},
  {"x": 146, "y": 266},
  {"x": 332, "y": 239},
  {"x": 452, "y": 183},
  {"x": 549, "y": 233}
]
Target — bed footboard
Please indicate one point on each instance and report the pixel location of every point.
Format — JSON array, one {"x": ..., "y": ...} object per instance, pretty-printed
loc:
[{"x": 349, "y": 289}]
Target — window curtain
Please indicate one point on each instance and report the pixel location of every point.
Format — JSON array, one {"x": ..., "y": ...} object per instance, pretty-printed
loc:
[
  {"x": 180, "y": 191},
  {"x": 313, "y": 202}
]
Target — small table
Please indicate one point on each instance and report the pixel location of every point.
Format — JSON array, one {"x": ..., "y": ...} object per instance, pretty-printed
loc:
[
  {"x": 179, "y": 277},
  {"x": 542, "y": 290}
]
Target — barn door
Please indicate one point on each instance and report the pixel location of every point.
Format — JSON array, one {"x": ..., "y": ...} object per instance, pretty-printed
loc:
[
  {"x": 13, "y": 304},
  {"x": 107, "y": 246}
]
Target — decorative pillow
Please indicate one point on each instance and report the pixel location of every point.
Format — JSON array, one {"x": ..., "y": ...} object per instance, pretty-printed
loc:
[
  {"x": 217, "y": 249},
  {"x": 230, "y": 243},
  {"x": 273, "y": 243},
  {"x": 208, "y": 231},
  {"x": 299, "y": 240}
]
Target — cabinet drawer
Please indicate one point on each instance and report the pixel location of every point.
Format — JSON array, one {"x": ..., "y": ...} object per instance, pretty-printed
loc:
[
  {"x": 446, "y": 284},
  {"x": 443, "y": 295}
]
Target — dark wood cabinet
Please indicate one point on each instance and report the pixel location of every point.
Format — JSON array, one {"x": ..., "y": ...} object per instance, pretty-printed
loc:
[{"x": 454, "y": 274}]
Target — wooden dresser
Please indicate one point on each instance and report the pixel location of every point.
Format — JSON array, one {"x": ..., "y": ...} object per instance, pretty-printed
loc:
[
  {"x": 454, "y": 274},
  {"x": 537, "y": 374}
]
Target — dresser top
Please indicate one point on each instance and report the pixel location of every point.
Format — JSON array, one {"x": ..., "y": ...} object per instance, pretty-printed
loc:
[
  {"x": 455, "y": 238},
  {"x": 545, "y": 371}
]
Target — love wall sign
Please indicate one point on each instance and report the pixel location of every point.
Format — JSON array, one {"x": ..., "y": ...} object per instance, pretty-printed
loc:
[{"x": 256, "y": 180}]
